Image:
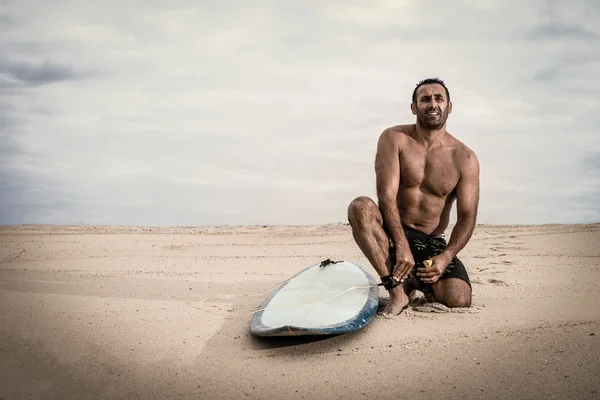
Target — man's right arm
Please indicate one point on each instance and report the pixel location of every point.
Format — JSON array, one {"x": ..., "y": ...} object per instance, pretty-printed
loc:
[{"x": 387, "y": 170}]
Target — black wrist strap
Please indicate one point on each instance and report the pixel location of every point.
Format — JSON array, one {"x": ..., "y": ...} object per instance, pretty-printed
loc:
[{"x": 389, "y": 282}]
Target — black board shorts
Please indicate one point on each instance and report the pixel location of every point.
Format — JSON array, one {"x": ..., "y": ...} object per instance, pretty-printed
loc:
[{"x": 424, "y": 247}]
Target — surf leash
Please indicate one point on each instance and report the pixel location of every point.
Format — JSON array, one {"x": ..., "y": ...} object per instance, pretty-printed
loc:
[
  {"x": 325, "y": 263},
  {"x": 388, "y": 282}
]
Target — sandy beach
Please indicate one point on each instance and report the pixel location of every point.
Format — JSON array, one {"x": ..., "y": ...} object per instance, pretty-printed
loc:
[{"x": 161, "y": 313}]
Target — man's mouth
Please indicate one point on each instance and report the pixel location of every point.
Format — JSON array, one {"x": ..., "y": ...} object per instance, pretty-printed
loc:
[{"x": 433, "y": 113}]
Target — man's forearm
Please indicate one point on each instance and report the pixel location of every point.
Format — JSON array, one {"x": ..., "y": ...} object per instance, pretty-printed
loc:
[
  {"x": 391, "y": 221},
  {"x": 460, "y": 237}
]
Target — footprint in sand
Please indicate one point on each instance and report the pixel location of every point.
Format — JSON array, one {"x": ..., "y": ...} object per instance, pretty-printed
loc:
[
  {"x": 13, "y": 257},
  {"x": 174, "y": 247},
  {"x": 421, "y": 305},
  {"x": 497, "y": 282},
  {"x": 432, "y": 308},
  {"x": 439, "y": 308}
]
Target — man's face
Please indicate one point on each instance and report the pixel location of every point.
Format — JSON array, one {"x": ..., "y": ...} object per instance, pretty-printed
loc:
[{"x": 432, "y": 106}]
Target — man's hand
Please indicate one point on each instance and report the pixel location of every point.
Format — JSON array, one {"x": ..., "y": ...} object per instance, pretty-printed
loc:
[
  {"x": 404, "y": 264},
  {"x": 433, "y": 269}
]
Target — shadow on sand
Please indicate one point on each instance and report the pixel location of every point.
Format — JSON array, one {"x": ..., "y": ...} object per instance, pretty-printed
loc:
[{"x": 276, "y": 342}]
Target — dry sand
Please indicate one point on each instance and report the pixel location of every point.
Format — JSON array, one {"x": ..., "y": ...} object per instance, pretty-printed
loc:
[{"x": 117, "y": 312}]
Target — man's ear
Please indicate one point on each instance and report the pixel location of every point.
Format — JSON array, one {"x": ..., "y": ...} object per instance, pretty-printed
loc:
[
  {"x": 449, "y": 107},
  {"x": 413, "y": 108}
]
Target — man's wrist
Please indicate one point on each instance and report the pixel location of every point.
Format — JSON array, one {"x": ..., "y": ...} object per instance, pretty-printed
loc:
[
  {"x": 447, "y": 256},
  {"x": 400, "y": 243}
]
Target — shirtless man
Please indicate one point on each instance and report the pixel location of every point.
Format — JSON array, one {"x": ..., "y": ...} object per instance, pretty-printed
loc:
[{"x": 420, "y": 171}]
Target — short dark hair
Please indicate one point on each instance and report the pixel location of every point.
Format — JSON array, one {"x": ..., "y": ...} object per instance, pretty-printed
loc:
[{"x": 427, "y": 82}]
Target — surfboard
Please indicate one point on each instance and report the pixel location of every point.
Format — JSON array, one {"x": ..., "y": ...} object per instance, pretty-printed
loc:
[{"x": 328, "y": 298}]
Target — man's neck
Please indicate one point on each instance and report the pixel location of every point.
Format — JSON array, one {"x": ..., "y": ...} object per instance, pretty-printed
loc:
[{"x": 429, "y": 137}]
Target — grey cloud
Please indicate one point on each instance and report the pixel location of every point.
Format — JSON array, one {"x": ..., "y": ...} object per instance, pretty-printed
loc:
[
  {"x": 21, "y": 201},
  {"x": 23, "y": 74},
  {"x": 564, "y": 74},
  {"x": 586, "y": 203},
  {"x": 591, "y": 164},
  {"x": 12, "y": 184},
  {"x": 546, "y": 74},
  {"x": 551, "y": 8},
  {"x": 24, "y": 48},
  {"x": 551, "y": 31},
  {"x": 7, "y": 21},
  {"x": 593, "y": 6},
  {"x": 26, "y": 196}
]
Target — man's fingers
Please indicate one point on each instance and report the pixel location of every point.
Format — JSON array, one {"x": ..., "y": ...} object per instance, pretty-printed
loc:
[
  {"x": 398, "y": 270},
  {"x": 428, "y": 273},
  {"x": 401, "y": 270},
  {"x": 407, "y": 268}
]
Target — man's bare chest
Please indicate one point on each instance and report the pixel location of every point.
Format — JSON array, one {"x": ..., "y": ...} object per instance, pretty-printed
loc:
[{"x": 434, "y": 173}]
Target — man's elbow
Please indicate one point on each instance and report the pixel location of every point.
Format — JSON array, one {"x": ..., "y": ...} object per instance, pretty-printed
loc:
[
  {"x": 386, "y": 199},
  {"x": 468, "y": 217}
]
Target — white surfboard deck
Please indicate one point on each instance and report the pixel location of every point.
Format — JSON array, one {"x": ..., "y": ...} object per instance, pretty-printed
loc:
[{"x": 319, "y": 300}]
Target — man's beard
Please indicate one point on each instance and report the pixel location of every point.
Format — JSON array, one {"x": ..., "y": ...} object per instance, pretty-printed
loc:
[{"x": 432, "y": 123}]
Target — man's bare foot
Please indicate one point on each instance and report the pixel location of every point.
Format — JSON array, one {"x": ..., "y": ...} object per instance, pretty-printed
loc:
[{"x": 398, "y": 301}]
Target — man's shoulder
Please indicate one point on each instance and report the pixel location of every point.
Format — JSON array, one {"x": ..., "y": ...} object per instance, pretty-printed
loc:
[
  {"x": 464, "y": 155},
  {"x": 404, "y": 128},
  {"x": 398, "y": 131},
  {"x": 461, "y": 149}
]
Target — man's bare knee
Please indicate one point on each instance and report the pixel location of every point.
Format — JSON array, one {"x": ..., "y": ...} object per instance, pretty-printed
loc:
[
  {"x": 458, "y": 300},
  {"x": 453, "y": 293},
  {"x": 363, "y": 210}
]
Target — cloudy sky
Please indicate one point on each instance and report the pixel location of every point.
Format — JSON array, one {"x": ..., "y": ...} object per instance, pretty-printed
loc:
[{"x": 182, "y": 112}]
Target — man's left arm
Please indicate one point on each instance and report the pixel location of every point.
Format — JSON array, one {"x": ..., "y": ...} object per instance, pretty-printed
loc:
[{"x": 467, "y": 203}]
